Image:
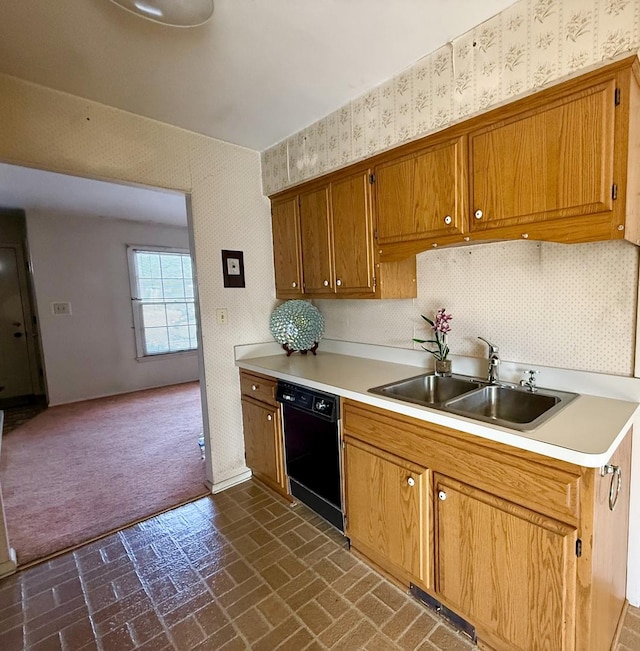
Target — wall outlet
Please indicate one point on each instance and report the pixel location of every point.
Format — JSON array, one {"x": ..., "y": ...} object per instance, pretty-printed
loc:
[
  {"x": 61, "y": 308},
  {"x": 221, "y": 315}
]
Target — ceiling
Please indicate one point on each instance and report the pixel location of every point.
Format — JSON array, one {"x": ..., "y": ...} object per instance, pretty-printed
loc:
[
  {"x": 60, "y": 194},
  {"x": 259, "y": 71}
]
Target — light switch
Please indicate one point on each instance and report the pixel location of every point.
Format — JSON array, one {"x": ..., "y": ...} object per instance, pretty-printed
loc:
[
  {"x": 221, "y": 315},
  {"x": 61, "y": 308}
]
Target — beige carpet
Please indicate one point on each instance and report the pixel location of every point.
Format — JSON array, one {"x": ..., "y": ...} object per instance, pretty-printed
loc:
[{"x": 75, "y": 472}]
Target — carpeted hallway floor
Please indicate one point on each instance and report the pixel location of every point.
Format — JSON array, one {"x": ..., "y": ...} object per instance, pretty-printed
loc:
[{"x": 75, "y": 472}]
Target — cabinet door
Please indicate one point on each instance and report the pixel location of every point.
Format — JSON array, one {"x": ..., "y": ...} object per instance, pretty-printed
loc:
[
  {"x": 388, "y": 512},
  {"x": 508, "y": 570},
  {"x": 422, "y": 195},
  {"x": 317, "y": 253},
  {"x": 551, "y": 162},
  {"x": 263, "y": 443},
  {"x": 286, "y": 248},
  {"x": 352, "y": 234}
]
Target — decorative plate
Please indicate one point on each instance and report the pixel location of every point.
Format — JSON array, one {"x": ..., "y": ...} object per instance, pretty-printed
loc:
[{"x": 297, "y": 325}]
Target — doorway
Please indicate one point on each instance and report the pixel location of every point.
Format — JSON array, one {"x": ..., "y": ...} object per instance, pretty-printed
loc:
[
  {"x": 21, "y": 369},
  {"x": 82, "y": 303}
]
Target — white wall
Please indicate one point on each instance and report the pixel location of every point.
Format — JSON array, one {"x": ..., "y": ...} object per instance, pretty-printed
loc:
[{"x": 92, "y": 352}]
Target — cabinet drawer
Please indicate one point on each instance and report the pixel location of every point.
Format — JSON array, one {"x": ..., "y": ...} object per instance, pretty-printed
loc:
[{"x": 258, "y": 387}]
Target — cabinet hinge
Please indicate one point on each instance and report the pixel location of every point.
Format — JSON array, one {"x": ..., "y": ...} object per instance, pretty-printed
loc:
[
  {"x": 614, "y": 191},
  {"x": 372, "y": 178},
  {"x": 375, "y": 234},
  {"x": 346, "y": 522},
  {"x": 578, "y": 548},
  {"x": 375, "y": 282},
  {"x": 617, "y": 97}
]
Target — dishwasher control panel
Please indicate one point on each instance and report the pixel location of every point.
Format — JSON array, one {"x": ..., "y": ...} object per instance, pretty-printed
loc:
[{"x": 323, "y": 405}]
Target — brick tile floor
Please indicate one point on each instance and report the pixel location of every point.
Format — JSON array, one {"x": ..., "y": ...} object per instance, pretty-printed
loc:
[
  {"x": 238, "y": 570},
  {"x": 16, "y": 416}
]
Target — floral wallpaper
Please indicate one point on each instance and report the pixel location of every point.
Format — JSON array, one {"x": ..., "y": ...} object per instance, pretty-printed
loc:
[{"x": 528, "y": 45}]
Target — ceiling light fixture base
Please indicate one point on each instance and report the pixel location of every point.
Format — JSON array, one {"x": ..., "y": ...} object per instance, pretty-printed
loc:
[{"x": 176, "y": 13}]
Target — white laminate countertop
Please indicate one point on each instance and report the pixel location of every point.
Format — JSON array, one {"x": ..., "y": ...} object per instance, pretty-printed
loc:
[{"x": 586, "y": 432}]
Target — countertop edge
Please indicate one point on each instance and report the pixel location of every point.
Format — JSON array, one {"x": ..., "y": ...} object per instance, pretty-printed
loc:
[{"x": 513, "y": 438}]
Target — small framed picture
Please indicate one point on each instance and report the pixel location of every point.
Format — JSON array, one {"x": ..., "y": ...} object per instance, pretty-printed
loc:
[{"x": 233, "y": 268}]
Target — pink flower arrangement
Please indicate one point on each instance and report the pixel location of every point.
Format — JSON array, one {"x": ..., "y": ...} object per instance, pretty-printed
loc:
[{"x": 440, "y": 326}]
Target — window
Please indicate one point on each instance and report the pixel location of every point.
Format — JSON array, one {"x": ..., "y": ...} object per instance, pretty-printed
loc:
[{"x": 164, "y": 313}]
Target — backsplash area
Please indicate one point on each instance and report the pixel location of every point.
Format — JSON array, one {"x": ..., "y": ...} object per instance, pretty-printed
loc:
[
  {"x": 530, "y": 44},
  {"x": 566, "y": 306}
]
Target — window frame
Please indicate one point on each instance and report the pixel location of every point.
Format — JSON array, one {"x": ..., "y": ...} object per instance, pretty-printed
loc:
[{"x": 136, "y": 302}]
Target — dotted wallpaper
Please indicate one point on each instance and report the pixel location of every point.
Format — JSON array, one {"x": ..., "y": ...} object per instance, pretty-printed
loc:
[
  {"x": 562, "y": 305},
  {"x": 528, "y": 45},
  {"x": 59, "y": 132}
]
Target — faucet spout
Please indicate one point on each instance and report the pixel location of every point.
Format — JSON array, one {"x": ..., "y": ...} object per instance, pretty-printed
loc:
[{"x": 493, "y": 375}]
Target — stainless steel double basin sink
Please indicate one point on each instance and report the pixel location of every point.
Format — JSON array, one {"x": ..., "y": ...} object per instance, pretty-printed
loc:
[{"x": 498, "y": 404}]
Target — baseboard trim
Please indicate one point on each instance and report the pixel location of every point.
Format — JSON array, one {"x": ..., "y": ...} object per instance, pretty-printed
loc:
[
  {"x": 218, "y": 487},
  {"x": 620, "y": 626}
]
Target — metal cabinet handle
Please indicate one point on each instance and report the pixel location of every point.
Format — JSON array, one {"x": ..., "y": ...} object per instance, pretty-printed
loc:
[
  {"x": 294, "y": 284},
  {"x": 269, "y": 417},
  {"x": 448, "y": 220},
  {"x": 411, "y": 481},
  {"x": 442, "y": 496},
  {"x": 254, "y": 387},
  {"x": 478, "y": 214},
  {"x": 338, "y": 282},
  {"x": 615, "y": 485},
  {"x": 326, "y": 283}
]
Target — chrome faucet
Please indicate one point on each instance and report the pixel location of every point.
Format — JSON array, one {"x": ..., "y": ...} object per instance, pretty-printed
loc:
[
  {"x": 531, "y": 382},
  {"x": 494, "y": 361}
]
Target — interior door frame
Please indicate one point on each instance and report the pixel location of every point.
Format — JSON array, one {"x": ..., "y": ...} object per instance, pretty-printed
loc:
[
  {"x": 192, "y": 248},
  {"x": 29, "y": 308}
]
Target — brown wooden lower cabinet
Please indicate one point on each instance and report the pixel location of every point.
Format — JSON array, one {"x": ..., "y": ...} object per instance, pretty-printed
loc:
[
  {"x": 509, "y": 570},
  {"x": 523, "y": 547},
  {"x": 263, "y": 444},
  {"x": 387, "y": 499}
]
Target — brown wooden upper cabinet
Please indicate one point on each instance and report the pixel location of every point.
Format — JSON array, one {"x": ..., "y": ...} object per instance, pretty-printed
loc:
[
  {"x": 317, "y": 242},
  {"x": 559, "y": 165},
  {"x": 336, "y": 251},
  {"x": 287, "y": 261},
  {"x": 549, "y": 162},
  {"x": 423, "y": 194},
  {"x": 353, "y": 234}
]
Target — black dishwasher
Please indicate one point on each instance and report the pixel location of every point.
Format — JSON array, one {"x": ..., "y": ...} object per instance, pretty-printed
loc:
[{"x": 312, "y": 449}]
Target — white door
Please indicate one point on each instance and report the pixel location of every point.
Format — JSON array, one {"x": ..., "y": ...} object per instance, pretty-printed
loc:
[{"x": 15, "y": 367}]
